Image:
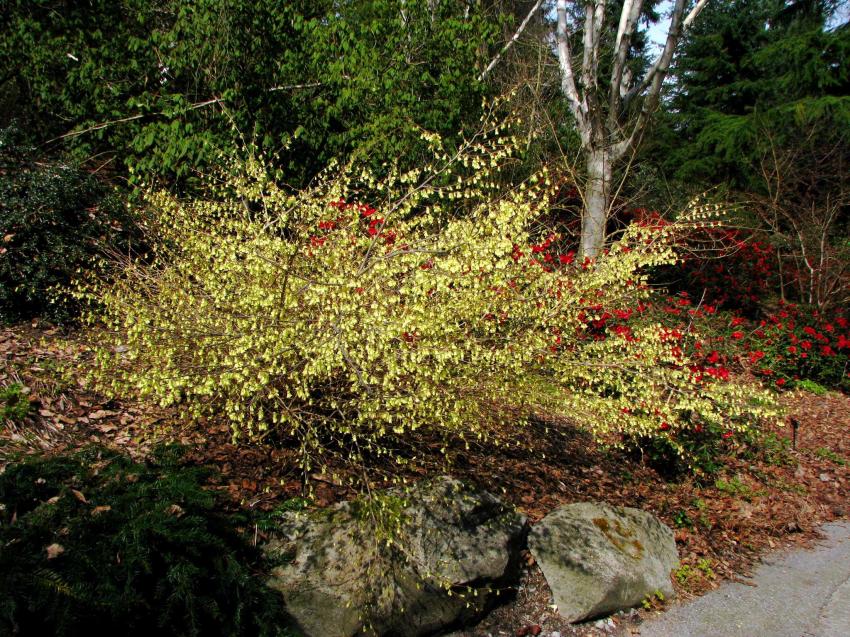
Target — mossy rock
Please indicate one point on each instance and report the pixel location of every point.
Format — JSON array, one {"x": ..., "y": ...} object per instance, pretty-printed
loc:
[
  {"x": 599, "y": 558},
  {"x": 404, "y": 562}
]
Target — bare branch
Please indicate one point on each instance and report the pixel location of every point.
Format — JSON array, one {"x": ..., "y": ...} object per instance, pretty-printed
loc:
[
  {"x": 594, "y": 17},
  {"x": 657, "y": 73},
  {"x": 568, "y": 83},
  {"x": 693, "y": 14},
  {"x": 510, "y": 42},
  {"x": 190, "y": 107},
  {"x": 628, "y": 23},
  {"x": 662, "y": 63},
  {"x": 122, "y": 120}
]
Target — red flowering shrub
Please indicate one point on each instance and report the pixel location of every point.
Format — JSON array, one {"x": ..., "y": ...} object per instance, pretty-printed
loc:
[
  {"x": 788, "y": 345},
  {"x": 725, "y": 268},
  {"x": 695, "y": 343},
  {"x": 794, "y": 344}
]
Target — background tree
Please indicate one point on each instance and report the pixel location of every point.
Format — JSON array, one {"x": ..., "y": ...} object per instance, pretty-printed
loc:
[
  {"x": 760, "y": 109},
  {"x": 162, "y": 87},
  {"x": 745, "y": 61},
  {"x": 611, "y": 97}
]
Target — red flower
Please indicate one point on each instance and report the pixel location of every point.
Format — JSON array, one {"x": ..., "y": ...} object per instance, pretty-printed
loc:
[
  {"x": 317, "y": 241},
  {"x": 566, "y": 259},
  {"x": 713, "y": 357},
  {"x": 427, "y": 265},
  {"x": 664, "y": 426},
  {"x": 810, "y": 331},
  {"x": 826, "y": 350},
  {"x": 806, "y": 344},
  {"x": 625, "y": 331},
  {"x": 737, "y": 335},
  {"x": 792, "y": 349},
  {"x": 780, "y": 382},
  {"x": 327, "y": 225},
  {"x": 756, "y": 356},
  {"x": 737, "y": 321},
  {"x": 375, "y": 226},
  {"x": 720, "y": 373},
  {"x": 727, "y": 435}
]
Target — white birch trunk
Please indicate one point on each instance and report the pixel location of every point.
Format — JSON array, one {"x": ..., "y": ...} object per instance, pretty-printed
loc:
[
  {"x": 597, "y": 197},
  {"x": 605, "y": 136}
]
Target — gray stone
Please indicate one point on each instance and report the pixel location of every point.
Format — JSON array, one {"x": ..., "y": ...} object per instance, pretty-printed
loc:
[
  {"x": 343, "y": 572},
  {"x": 599, "y": 559}
]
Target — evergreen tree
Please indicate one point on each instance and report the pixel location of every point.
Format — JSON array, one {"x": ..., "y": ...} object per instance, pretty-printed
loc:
[{"x": 748, "y": 66}]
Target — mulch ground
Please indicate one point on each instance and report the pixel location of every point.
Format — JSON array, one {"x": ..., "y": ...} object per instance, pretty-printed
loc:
[{"x": 763, "y": 498}]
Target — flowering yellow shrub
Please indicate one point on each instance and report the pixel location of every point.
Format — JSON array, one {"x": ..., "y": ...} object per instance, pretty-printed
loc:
[{"x": 330, "y": 316}]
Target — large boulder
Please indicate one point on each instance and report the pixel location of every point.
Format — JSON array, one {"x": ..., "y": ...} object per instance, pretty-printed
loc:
[
  {"x": 402, "y": 562},
  {"x": 599, "y": 559}
]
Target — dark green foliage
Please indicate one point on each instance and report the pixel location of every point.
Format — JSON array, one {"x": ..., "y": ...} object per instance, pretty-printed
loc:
[
  {"x": 386, "y": 70},
  {"x": 14, "y": 405},
  {"x": 705, "y": 448},
  {"x": 143, "y": 552},
  {"x": 165, "y": 86},
  {"x": 748, "y": 67},
  {"x": 54, "y": 218}
]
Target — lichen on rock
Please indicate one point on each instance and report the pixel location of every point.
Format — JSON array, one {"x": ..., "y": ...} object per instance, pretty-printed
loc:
[{"x": 599, "y": 559}]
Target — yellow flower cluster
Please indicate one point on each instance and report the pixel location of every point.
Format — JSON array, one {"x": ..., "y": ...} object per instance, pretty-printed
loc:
[{"x": 362, "y": 309}]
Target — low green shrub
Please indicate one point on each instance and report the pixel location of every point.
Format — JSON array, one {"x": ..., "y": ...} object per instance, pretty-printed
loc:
[
  {"x": 14, "y": 404},
  {"x": 94, "y": 543},
  {"x": 54, "y": 218},
  {"x": 811, "y": 386}
]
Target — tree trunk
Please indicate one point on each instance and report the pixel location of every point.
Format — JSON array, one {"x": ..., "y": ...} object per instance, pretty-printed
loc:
[{"x": 597, "y": 203}]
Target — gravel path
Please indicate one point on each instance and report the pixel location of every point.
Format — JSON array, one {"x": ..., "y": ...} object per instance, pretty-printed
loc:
[{"x": 804, "y": 593}]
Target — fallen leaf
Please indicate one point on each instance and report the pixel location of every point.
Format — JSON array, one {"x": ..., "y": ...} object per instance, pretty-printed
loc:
[
  {"x": 102, "y": 413},
  {"x": 101, "y": 509},
  {"x": 79, "y": 495}
]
